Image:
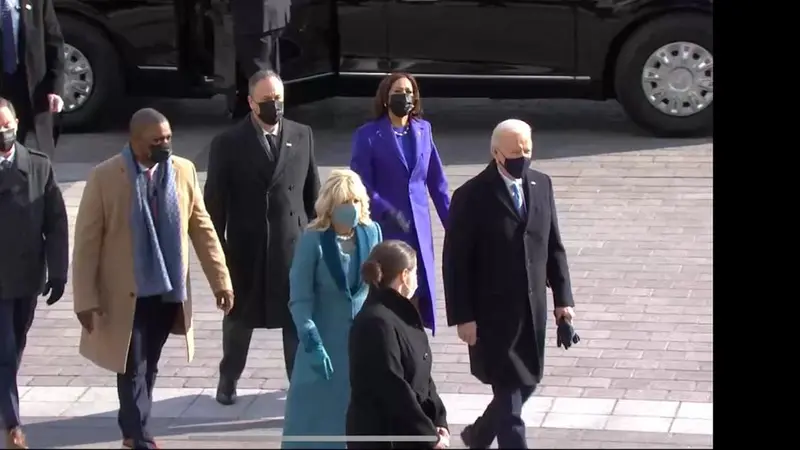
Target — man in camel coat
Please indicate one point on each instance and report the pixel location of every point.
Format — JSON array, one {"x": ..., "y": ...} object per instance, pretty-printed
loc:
[{"x": 130, "y": 264}]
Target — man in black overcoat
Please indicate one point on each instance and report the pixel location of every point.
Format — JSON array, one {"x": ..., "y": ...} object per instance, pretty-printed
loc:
[
  {"x": 257, "y": 27},
  {"x": 260, "y": 191},
  {"x": 34, "y": 247},
  {"x": 501, "y": 248},
  {"x": 32, "y": 67}
]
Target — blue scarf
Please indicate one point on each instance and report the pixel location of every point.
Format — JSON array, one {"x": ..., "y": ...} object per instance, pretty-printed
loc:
[{"x": 158, "y": 264}]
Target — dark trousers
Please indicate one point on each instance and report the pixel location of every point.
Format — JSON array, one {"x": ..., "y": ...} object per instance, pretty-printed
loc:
[
  {"x": 503, "y": 419},
  {"x": 236, "y": 344},
  {"x": 152, "y": 323},
  {"x": 254, "y": 52},
  {"x": 15, "y": 89},
  {"x": 16, "y": 317}
]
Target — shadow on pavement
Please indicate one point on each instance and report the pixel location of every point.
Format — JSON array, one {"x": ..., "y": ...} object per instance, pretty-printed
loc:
[
  {"x": 261, "y": 418},
  {"x": 461, "y": 127}
]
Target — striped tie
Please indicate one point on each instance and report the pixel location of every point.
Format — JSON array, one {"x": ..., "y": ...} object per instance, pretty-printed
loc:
[{"x": 517, "y": 197}]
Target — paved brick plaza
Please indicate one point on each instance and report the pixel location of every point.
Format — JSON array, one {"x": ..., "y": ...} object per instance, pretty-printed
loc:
[{"x": 635, "y": 214}]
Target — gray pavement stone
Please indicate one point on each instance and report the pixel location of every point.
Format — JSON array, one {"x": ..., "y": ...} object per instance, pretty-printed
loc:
[
  {"x": 101, "y": 433},
  {"x": 635, "y": 214},
  {"x": 254, "y": 404}
]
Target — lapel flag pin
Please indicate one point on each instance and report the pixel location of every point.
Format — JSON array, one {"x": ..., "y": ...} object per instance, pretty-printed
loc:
[{"x": 288, "y": 144}]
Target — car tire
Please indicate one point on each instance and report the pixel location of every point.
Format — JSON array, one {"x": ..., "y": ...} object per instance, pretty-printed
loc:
[
  {"x": 108, "y": 81},
  {"x": 634, "y": 55}
]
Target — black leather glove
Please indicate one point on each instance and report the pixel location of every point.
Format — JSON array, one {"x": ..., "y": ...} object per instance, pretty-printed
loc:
[
  {"x": 400, "y": 220},
  {"x": 56, "y": 290},
  {"x": 566, "y": 335}
]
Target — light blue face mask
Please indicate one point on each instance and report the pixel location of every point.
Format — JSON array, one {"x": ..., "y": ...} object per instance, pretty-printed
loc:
[{"x": 345, "y": 215}]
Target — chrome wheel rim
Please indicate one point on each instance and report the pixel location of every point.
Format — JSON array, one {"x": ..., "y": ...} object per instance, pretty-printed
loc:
[
  {"x": 78, "y": 79},
  {"x": 678, "y": 79}
]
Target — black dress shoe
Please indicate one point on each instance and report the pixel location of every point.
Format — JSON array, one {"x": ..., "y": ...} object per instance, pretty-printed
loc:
[
  {"x": 466, "y": 436},
  {"x": 226, "y": 391}
]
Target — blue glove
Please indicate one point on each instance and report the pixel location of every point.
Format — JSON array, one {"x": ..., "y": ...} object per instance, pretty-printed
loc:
[{"x": 320, "y": 361}]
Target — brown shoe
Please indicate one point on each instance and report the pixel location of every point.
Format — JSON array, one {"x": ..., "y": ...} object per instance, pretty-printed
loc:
[{"x": 16, "y": 439}]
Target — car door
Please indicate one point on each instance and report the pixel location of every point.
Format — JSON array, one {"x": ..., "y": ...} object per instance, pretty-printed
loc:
[
  {"x": 307, "y": 46},
  {"x": 363, "y": 36},
  {"x": 489, "y": 38}
]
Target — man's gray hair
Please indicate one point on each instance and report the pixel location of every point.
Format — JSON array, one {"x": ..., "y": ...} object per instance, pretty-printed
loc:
[
  {"x": 510, "y": 126},
  {"x": 259, "y": 76}
]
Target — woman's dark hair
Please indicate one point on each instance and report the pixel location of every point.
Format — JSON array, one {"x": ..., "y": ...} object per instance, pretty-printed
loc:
[
  {"x": 382, "y": 95},
  {"x": 386, "y": 261}
]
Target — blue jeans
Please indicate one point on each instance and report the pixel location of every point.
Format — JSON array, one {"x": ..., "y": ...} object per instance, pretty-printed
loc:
[{"x": 16, "y": 317}]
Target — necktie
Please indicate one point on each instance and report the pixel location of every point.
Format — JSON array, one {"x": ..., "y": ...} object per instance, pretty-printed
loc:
[
  {"x": 5, "y": 164},
  {"x": 516, "y": 195},
  {"x": 9, "y": 40},
  {"x": 273, "y": 145},
  {"x": 151, "y": 194}
]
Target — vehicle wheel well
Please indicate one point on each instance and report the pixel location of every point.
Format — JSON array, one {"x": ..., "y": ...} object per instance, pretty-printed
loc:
[
  {"x": 623, "y": 36},
  {"x": 97, "y": 25}
]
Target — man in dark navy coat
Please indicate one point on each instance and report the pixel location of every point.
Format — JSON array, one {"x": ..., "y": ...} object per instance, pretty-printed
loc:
[
  {"x": 32, "y": 62},
  {"x": 501, "y": 248},
  {"x": 34, "y": 247}
]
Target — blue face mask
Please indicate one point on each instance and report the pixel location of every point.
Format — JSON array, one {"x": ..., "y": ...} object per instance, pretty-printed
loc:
[{"x": 345, "y": 215}]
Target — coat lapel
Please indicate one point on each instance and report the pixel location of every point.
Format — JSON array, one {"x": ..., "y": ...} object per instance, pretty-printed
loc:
[
  {"x": 387, "y": 134},
  {"x": 362, "y": 253},
  {"x": 421, "y": 147},
  {"x": 27, "y": 33},
  {"x": 333, "y": 259},
  {"x": 531, "y": 189},
  {"x": 253, "y": 137},
  {"x": 501, "y": 190},
  {"x": 286, "y": 137}
]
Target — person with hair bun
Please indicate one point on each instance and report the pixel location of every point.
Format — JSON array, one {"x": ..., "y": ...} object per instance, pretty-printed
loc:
[
  {"x": 326, "y": 291},
  {"x": 392, "y": 392}
]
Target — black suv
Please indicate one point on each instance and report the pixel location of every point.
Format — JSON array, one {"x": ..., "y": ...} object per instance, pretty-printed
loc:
[{"x": 654, "y": 56}]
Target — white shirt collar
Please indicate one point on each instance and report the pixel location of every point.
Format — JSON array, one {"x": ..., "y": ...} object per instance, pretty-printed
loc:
[
  {"x": 510, "y": 181},
  {"x": 145, "y": 168},
  {"x": 10, "y": 155},
  {"x": 274, "y": 131}
]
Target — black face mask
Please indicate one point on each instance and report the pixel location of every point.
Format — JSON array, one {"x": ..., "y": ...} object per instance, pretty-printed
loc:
[
  {"x": 9, "y": 138},
  {"x": 160, "y": 153},
  {"x": 401, "y": 104},
  {"x": 270, "y": 111},
  {"x": 515, "y": 166}
]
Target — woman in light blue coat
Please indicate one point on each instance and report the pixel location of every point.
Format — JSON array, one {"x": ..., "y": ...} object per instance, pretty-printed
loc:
[{"x": 326, "y": 292}]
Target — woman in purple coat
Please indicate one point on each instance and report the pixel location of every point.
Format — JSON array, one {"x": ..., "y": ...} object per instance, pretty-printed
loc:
[{"x": 398, "y": 162}]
